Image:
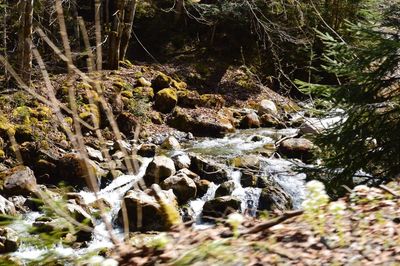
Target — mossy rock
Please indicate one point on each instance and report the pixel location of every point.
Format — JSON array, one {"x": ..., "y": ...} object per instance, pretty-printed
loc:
[
  {"x": 179, "y": 85},
  {"x": 91, "y": 114},
  {"x": 121, "y": 84},
  {"x": 161, "y": 81},
  {"x": 24, "y": 133},
  {"x": 90, "y": 96},
  {"x": 212, "y": 100},
  {"x": 166, "y": 100},
  {"x": 189, "y": 99},
  {"x": 143, "y": 82},
  {"x": 2, "y": 154},
  {"x": 127, "y": 94},
  {"x": 6, "y": 128},
  {"x": 143, "y": 92},
  {"x": 41, "y": 113}
]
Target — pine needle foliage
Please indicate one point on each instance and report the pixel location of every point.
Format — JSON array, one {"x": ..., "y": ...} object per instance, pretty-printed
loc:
[{"x": 367, "y": 138}]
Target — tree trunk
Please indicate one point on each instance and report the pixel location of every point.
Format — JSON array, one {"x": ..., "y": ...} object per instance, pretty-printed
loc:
[
  {"x": 128, "y": 25},
  {"x": 25, "y": 33},
  {"x": 99, "y": 53},
  {"x": 115, "y": 35}
]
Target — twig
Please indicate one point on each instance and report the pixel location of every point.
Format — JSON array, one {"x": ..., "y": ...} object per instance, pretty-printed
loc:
[
  {"x": 270, "y": 223},
  {"x": 389, "y": 190}
]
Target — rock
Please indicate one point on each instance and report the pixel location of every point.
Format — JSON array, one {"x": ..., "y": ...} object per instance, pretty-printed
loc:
[
  {"x": 9, "y": 240},
  {"x": 161, "y": 81},
  {"x": 156, "y": 118},
  {"x": 94, "y": 154},
  {"x": 19, "y": 204},
  {"x": 144, "y": 82},
  {"x": 247, "y": 161},
  {"x": 134, "y": 161},
  {"x": 207, "y": 170},
  {"x": 19, "y": 180},
  {"x": 152, "y": 215},
  {"x": 171, "y": 143},
  {"x": 81, "y": 216},
  {"x": 250, "y": 120},
  {"x": 270, "y": 120},
  {"x": 189, "y": 173},
  {"x": 7, "y": 208},
  {"x": 248, "y": 179},
  {"x": 166, "y": 100},
  {"x": 147, "y": 150},
  {"x": 204, "y": 125},
  {"x": 202, "y": 187},
  {"x": 225, "y": 189},
  {"x": 127, "y": 123},
  {"x": 267, "y": 107},
  {"x": 181, "y": 160},
  {"x": 297, "y": 148},
  {"x": 317, "y": 126},
  {"x": 183, "y": 187},
  {"x": 73, "y": 169},
  {"x": 159, "y": 169},
  {"x": 220, "y": 207},
  {"x": 188, "y": 99},
  {"x": 24, "y": 133},
  {"x": 274, "y": 198}
]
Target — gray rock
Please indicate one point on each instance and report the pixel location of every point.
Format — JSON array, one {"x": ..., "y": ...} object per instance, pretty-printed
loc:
[
  {"x": 220, "y": 207},
  {"x": 183, "y": 187},
  {"x": 297, "y": 148},
  {"x": 181, "y": 160},
  {"x": 250, "y": 120},
  {"x": 225, "y": 189},
  {"x": 19, "y": 180},
  {"x": 7, "y": 207},
  {"x": 94, "y": 154},
  {"x": 9, "y": 240},
  {"x": 209, "y": 170},
  {"x": 144, "y": 211},
  {"x": 159, "y": 169},
  {"x": 147, "y": 150},
  {"x": 274, "y": 198},
  {"x": 171, "y": 143},
  {"x": 267, "y": 107}
]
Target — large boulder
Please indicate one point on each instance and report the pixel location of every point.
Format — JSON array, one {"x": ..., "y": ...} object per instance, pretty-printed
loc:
[
  {"x": 19, "y": 180},
  {"x": 9, "y": 240},
  {"x": 267, "y": 107},
  {"x": 220, "y": 207},
  {"x": 209, "y": 170},
  {"x": 205, "y": 125},
  {"x": 248, "y": 178},
  {"x": 183, "y": 187},
  {"x": 300, "y": 148},
  {"x": 145, "y": 213},
  {"x": 159, "y": 169},
  {"x": 127, "y": 123},
  {"x": 250, "y": 120},
  {"x": 247, "y": 162},
  {"x": 166, "y": 100},
  {"x": 270, "y": 120}
]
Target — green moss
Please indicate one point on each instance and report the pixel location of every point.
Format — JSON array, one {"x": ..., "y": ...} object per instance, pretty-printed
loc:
[
  {"x": 24, "y": 133},
  {"x": 179, "y": 85},
  {"x": 23, "y": 114},
  {"x": 2, "y": 154},
  {"x": 121, "y": 84},
  {"x": 91, "y": 114},
  {"x": 161, "y": 81},
  {"x": 212, "y": 100},
  {"x": 6, "y": 128},
  {"x": 143, "y": 92},
  {"x": 127, "y": 94}
]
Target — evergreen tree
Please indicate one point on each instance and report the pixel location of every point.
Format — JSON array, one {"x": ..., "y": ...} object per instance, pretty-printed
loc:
[{"x": 368, "y": 72}]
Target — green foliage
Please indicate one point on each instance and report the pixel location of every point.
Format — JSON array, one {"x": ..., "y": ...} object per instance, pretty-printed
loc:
[{"x": 367, "y": 137}]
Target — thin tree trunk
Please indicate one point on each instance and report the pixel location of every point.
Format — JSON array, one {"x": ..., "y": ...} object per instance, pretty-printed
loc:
[
  {"x": 64, "y": 34},
  {"x": 115, "y": 35},
  {"x": 5, "y": 42},
  {"x": 127, "y": 31},
  {"x": 99, "y": 53},
  {"x": 25, "y": 33}
]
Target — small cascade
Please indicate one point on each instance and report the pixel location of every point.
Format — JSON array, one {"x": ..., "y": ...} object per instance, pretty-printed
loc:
[
  {"x": 248, "y": 196},
  {"x": 197, "y": 204}
]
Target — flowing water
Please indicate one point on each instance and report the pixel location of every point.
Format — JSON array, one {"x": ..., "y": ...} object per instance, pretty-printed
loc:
[{"x": 243, "y": 142}]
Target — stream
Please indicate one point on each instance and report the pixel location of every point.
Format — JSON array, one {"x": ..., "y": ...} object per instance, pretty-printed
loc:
[{"x": 243, "y": 142}]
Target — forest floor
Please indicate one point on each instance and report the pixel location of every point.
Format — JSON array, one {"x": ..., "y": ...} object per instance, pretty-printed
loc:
[{"x": 367, "y": 232}]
